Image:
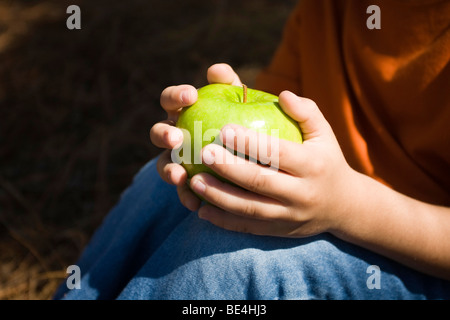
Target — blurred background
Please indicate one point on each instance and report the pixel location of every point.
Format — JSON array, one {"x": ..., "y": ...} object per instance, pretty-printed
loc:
[{"x": 76, "y": 107}]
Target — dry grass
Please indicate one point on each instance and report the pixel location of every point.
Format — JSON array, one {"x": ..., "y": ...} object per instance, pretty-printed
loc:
[{"x": 76, "y": 108}]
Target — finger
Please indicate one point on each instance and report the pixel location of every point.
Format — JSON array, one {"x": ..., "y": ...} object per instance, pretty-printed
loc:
[
  {"x": 188, "y": 198},
  {"x": 311, "y": 121},
  {"x": 234, "y": 199},
  {"x": 263, "y": 180},
  {"x": 170, "y": 172},
  {"x": 176, "y": 97},
  {"x": 223, "y": 73},
  {"x": 165, "y": 135},
  {"x": 232, "y": 222},
  {"x": 268, "y": 150}
]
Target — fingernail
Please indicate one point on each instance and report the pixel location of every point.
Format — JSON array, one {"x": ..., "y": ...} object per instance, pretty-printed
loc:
[
  {"x": 175, "y": 136},
  {"x": 208, "y": 156},
  {"x": 198, "y": 187},
  {"x": 185, "y": 96}
]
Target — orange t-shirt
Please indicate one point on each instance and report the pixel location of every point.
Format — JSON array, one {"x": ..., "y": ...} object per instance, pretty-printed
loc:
[{"x": 385, "y": 92}]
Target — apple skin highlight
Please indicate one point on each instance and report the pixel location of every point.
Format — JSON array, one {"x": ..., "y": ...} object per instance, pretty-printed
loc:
[{"x": 221, "y": 104}]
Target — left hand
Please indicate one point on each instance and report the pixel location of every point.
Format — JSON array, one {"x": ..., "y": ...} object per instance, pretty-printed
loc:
[{"x": 308, "y": 194}]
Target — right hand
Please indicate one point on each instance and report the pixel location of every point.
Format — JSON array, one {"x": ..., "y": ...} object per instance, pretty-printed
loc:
[{"x": 164, "y": 134}]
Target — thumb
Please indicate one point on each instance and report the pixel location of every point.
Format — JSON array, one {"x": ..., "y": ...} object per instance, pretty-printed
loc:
[
  {"x": 223, "y": 73},
  {"x": 305, "y": 111}
]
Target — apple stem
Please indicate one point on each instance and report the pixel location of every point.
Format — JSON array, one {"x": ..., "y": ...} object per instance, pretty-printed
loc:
[{"x": 244, "y": 88}]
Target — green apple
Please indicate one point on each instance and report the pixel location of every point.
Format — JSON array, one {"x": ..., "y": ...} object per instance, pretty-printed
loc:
[{"x": 221, "y": 104}]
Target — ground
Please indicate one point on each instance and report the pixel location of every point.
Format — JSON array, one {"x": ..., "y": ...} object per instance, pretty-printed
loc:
[{"x": 76, "y": 107}]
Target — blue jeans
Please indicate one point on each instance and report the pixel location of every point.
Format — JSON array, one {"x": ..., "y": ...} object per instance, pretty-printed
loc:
[{"x": 151, "y": 247}]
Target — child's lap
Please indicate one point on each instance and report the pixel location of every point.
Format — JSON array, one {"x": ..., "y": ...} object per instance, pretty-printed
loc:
[{"x": 151, "y": 247}]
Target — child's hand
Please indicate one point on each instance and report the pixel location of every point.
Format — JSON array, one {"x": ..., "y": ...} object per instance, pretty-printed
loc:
[
  {"x": 314, "y": 190},
  {"x": 307, "y": 195},
  {"x": 164, "y": 134}
]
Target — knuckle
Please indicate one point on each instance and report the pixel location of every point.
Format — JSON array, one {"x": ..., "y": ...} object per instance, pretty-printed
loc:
[
  {"x": 309, "y": 103},
  {"x": 164, "y": 166},
  {"x": 242, "y": 227},
  {"x": 165, "y": 94},
  {"x": 174, "y": 96},
  {"x": 279, "y": 154},
  {"x": 310, "y": 198},
  {"x": 154, "y": 134},
  {"x": 249, "y": 209},
  {"x": 158, "y": 134},
  {"x": 256, "y": 181},
  {"x": 183, "y": 195},
  {"x": 151, "y": 134},
  {"x": 161, "y": 162},
  {"x": 318, "y": 167},
  {"x": 234, "y": 225}
]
